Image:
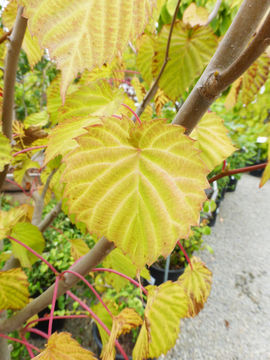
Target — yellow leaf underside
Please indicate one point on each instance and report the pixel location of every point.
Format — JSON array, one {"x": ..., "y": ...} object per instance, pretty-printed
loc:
[
  {"x": 166, "y": 305},
  {"x": 13, "y": 289},
  {"x": 62, "y": 346},
  {"x": 141, "y": 187},
  {"x": 82, "y": 35}
]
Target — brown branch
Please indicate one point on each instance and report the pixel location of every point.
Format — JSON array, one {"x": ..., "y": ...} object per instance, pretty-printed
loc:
[
  {"x": 5, "y": 36},
  {"x": 219, "y": 82},
  {"x": 231, "y": 47},
  {"x": 237, "y": 171},
  {"x": 39, "y": 200},
  {"x": 12, "y": 57},
  {"x": 154, "y": 87},
  {"x": 50, "y": 217},
  {"x": 83, "y": 267}
]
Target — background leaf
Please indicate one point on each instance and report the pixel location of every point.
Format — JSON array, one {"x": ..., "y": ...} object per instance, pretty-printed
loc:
[{"x": 31, "y": 236}]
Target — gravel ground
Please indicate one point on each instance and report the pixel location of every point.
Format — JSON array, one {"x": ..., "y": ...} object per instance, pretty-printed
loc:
[{"x": 235, "y": 323}]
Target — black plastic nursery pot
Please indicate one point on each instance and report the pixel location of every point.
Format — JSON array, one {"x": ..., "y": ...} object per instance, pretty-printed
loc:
[
  {"x": 232, "y": 184},
  {"x": 157, "y": 274},
  {"x": 57, "y": 324},
  {"x": 258, "y": 172}
]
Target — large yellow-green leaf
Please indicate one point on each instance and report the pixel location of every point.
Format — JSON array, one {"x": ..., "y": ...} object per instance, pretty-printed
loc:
[
  {"x": 62, "y": 347},
  {"x": 266, "y": 173},
  {"x": 5, "y": 151},
  {"x": 14, "y": 292},
  {"x": 30, "y": 44},
  {"x": 197, "y": 284},
  {"x": 31, "y": 236},
  {"x": 166, "y": 305},
  {"x": 118, "y": 261},
  {"x": 141, "y": 186},
  {"x": 212, "y": 139},
  {"x": 190, "y": 51},
  {"x": 145, "y": 56},
  {"x": 9, "y": 218},
  {"x": 82, "y": 35},
  {"x": 123, "y": 323}
]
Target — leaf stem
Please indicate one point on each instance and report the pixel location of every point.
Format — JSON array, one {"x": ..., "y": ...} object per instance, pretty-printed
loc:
[
  {"x": 101, "y": 323},
  {"x": 134, "y": 114},
  {"x": 34, "y": 252},
  {"x": 185, "y": 253},
  {"x": 29, "y": 149},
  {"x": 151, "y": 93},
  {"x": 53, "y": 306},
  {"x": 91, "y": 287},
  {"x": 134, "y": 282},
  {"x": 20, "y": 341}
]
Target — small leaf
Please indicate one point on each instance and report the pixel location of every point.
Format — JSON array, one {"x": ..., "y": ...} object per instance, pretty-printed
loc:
[
  {"x": 14, "y": 292},
  {"x": 9, "y": 218},
  {"x": 197, "y": 284},
  {"x": 123, "y": 323},
  {"x": 213, "y": 140},
  {"x": 141, "y": 186},
  {"x": 231, "y": 98},
  {"x": 118, "y": 261},
  {"x": 166, "y": 305},
  {"x": 194, "y": 15},
  {"x": 62, "y": 346},
  {"x": 190, "y": 52},
  {"x": 82, "y": 35},
  {"x": 37, "y": 119},
  {"x": 31, "y": 236},
  {"x": 5, "y": 151},
  {"x": 22, "y": 164},
  {"x": 78, "y": 248},
  {"x": 266, "y": 173}
]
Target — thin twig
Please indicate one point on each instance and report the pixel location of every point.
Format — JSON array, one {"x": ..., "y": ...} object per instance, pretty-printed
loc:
[
  {"x": 214, "y": 12},
  {"x": 5, "y": 36},
  {"x": 50, "y": 217},
  {"x": 151, "y": 93},
  {"x": 12, "y": 57},
  {"x": 39, "y": 200}
]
